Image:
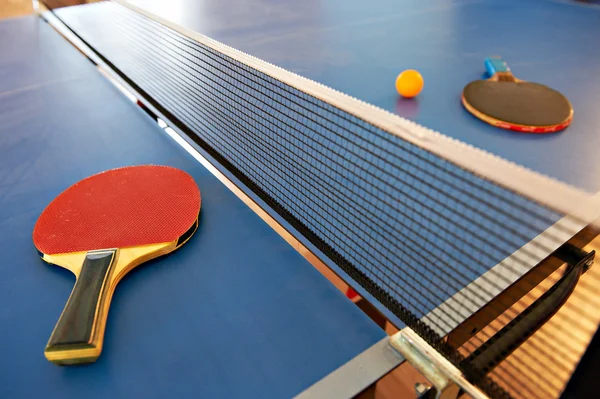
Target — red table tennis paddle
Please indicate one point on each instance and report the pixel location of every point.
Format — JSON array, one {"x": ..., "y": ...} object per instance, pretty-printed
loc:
[
  {"x": 101, "y": 228},
  {"x": 510, "y": 103}
]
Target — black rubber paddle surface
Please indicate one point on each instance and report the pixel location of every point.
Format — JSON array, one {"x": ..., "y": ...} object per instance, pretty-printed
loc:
[{"x": 523, "y": 103}]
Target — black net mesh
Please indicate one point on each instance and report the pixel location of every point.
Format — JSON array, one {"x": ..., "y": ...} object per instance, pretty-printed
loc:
[{"x": 430, "y": 241}]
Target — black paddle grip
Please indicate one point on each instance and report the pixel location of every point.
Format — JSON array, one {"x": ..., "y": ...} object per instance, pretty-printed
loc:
[{"x": 75, "y": 327}]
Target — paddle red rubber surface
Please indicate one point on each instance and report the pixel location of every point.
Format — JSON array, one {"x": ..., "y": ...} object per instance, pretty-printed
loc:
[{"x": 125, "y": 207}]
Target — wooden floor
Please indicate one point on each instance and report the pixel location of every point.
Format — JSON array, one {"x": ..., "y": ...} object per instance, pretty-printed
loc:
[
  {"x": 15, "y": 8},
  {"x": 400, "y": 383}
]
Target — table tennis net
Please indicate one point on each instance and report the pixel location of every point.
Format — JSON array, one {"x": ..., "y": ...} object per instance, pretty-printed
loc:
[{"x": 430, "y": 241}]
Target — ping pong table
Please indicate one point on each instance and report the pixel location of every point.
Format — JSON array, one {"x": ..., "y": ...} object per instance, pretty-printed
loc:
[
  {"x": 243, "y": 314},
  {"x": 238, "y": 313}
]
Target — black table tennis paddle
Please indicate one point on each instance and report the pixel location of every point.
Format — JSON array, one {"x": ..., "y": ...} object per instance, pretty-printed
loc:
[{"x": 510, "y": 103}]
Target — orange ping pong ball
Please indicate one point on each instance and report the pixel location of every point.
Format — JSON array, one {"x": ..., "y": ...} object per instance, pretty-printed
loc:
[{"x": 409, "y": 83}]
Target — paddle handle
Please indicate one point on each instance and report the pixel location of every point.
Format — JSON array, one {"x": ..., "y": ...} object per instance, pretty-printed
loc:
[
  {"x": 77, "y": 337},
  {"x": 497, "y": 69},
  {"x": 494, "y": 65}
]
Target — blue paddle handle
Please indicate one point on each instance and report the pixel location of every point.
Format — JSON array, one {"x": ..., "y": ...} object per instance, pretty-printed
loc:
[{"x": 494, "y": 65}]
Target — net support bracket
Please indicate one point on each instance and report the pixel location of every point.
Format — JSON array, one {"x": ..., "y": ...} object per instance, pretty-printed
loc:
[{"x": 447, "y": 380}]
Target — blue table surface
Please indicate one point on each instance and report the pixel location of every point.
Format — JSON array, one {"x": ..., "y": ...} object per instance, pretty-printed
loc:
[
  {"x": 359, "y": 47},
  {"x": 234, "y": 313}
]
